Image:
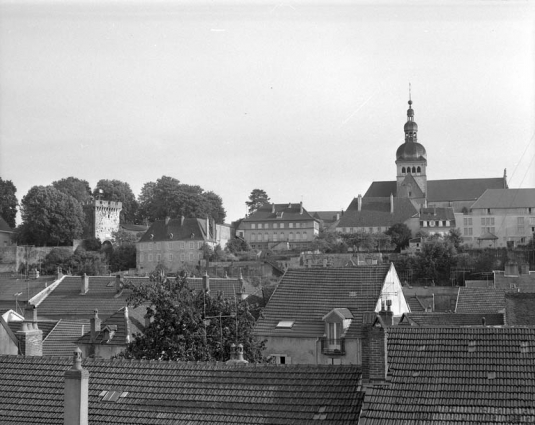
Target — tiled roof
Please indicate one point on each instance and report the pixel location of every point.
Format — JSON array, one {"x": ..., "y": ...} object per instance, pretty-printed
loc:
[
  {"x": 480, "y": 300},
  {"x": 4, "y": 227},
  {"x": 416, "y": 191},
  {"x": 10, "y": 286},
  {"x": 438, "y": 213},
  {"x": 471, "y": 375},
  {"x": 45, "y": 326},
  {"x": 442, "y": 190},
  {"x": 282, "y": 212},
  {"x": 134, "y": 227},
  {"x": 228, "y": 287},
  {"x": 376, "y": 212},
  {"x": 451, "y": 319},
  {"x": 414, "y": 303},
  {"x": 522, "y": 282},
  {"x": 520, "y": 309},
  {"x": 169, "y": 393},
  {"x": 123, "y": 331},
  {"x": 192, "y": 229},
  {"x": 326, "y": 216},
  {"x": 306, "y": 295},
  {"x": 66, "y": 302},
  {"x": 506, "y": 198}
]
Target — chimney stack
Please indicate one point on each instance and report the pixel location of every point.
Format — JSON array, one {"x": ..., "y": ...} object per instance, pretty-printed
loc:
[
  {"x": 359, "y": 202},
  {"x": 206, "y": 282},
  {"x": 95, "y": 327},
  {"x": 236, "y": 355},
  {"x": 31, "y": 339},
  {"x": 85, "y": 284},
  {"x": 76, "y": 398},
  {"x": 391, "y": 204},
  {"x": 301, "y": 207},
  {"x": 387, "y": 315},
  {"x": 374, "y": 351},
  {"x": 242, "y": 293},
  {"x": 30, "y": 313},
  {"x": 181, "y": 220},
  {"x": 273, "y": 208}
]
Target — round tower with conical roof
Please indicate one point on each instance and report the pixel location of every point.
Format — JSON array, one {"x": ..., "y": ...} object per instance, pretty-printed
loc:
[{"x": 411, "y": 161}]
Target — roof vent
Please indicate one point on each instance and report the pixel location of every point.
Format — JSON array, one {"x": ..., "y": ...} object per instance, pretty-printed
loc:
[
  {"x": 321, "y": 415},
  {"x": 471, "y": 346}
]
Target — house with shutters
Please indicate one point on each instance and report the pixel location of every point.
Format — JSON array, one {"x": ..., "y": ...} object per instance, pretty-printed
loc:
[
  {"x": 279, "y": 226},
  {"x": 176, "y": 243},
  {"x": 315, "y": 315}
]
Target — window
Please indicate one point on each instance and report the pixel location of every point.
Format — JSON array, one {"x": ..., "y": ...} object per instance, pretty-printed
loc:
[
  {"x": 448, "y": 223},
  {"x": 418, "y": 170},
  {"x": 182, "y": 257},
  {"x": 150, "y": 258},
  {"x": 199, "y": 245},
  {"x": 403, "y": 170},
  {"x": 192, "y": 245},
  {"x": 141, "y": 257},
  {"x": 285, "y": 324},
  {"x": 282, "y": 236},
  {"x": 488, "y": 210},
  {"x": 150, "y": 246},
  {"x": 281, "y": 359},
  {"x": 253, "y": 225},
  {"x": 467, "y": 221},
  {"x": 424, "y": 223},
  {"x": 281, "y": 225},
  {"x": 274, "y": 225},
  {"x": 253, "y": 237},
  {"x": 159, "y": 258},
  {"x": 305, "y": 237},
  {"x": 266, "y": 237},
  {"x": 158, "y": 245},
  {"x": 191, "y": 256},
  {"x": 290, "y": 225},
  {"x": 266, "y": 225},
  {"x": 170, "y": 257},
  {"x": 291, "y": 236},
  {"x": 298, "y": 235},
  {"x": 275, "y": 236},
  {"x": 259, "y": 225}
]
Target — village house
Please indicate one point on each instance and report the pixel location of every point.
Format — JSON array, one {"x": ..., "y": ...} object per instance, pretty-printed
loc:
[
  {"x": 288, "y": 225},
  {"x": 315, "y": 315}
]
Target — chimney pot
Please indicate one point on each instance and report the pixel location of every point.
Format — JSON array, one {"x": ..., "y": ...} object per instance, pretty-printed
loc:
[
  {"x": 76, "y": 396},
  {"x": 359, "y": 202},
  {"x": 301, "y": 207},
  {"x": 85, "y": 284},
  {"x": 391, "y": 204},
  {"x": 273, "y": 208},
  {"x": 95, "y": 327}
]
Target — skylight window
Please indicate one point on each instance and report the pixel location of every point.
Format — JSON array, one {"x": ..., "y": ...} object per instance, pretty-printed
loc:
[
  {"x": 524, "y": 347},
  {"x": 112, "y": 395},
  {"x": 471, "y": 346},
  {"x": 285, "y": 324}
]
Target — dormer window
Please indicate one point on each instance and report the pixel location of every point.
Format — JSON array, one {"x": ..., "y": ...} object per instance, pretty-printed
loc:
[{"x": 337, "y": 323}]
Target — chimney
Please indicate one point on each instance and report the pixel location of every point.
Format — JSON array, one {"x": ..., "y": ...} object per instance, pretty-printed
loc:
[
  {"x": 273, "y": 208},
  {"x": 301, "y": 207},
  {"x": 289, "y": 205},
  {"x": 374, "y": 350},
  {"x": 167, "y": 218},
  {"x": 207, "y": 227},
  {"x": 387, "y": 315},
  {"x": 206, "y": 282},
  {"x": 236, "y": 355},
  {"x": 76, "y": 397},
  {"x": 181, "y": 220},
  {"x": 30, "y": 339},
  {"x": 337, "y": 216},
  {"x": 127, "y": 326},
  {"x": 95, "y": 327},
  {"x": 391, "y": 204},
  {"x": 241, "y": 292},
  {"x": 483, "y": 321},
  {"x": 85, "y": 284},
  {"x": 30, "y": 313},
  {"x": 118, "y": 284},
  {"x": 359, "y": 202}
]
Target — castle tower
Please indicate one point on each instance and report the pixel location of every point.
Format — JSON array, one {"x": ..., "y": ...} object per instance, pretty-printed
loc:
[
  {"x": 103, "y": 218},
  {"x": 411, "y": 164}
]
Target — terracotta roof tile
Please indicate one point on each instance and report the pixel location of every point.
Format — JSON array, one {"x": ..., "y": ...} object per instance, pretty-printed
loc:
[
  {"x": 453, "y": 319},
  {"x": 480, "y": 300},
  {"x": 506, "y": 198},
  {"x": 191, "y": 229},
  {"x": 165, "y": 393},
  {"x": 470, "y": 375},
  {"x": 306, "y": 295},
  {"x": 282, "y": 212},
  {"x": 376, "y": 212}
]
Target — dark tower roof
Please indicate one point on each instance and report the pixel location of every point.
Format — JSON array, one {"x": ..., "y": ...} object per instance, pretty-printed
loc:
[{"x": 411, "y": 150}]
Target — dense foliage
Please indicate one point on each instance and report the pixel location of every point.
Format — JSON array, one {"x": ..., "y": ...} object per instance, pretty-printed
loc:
[
  {"x": 400, "y": 235},
  {"x": 236, "y": 245},
  {"x": 257, "y": 198},
  {"x": 50, "y": 217},
  {"x": 167, "y": 197},
  {"x": 77, "y": 188},
  {"x": 8, "y": 202},
  {"x": 190, "y": 325}
]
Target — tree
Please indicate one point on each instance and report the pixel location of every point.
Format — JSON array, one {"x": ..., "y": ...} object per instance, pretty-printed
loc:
[
  {"x": 207, "y": 252},
  {"x": 167, "y": 197},
  {"x": 123, "y": 257},
  {"x": 50, "y": 217},
  {"x": 8, "y": 202},
  {"x": 116, "y": 190},
  {"x": 455, "y": 237},
  {"x": 400, "y": 235},
  {"x": 435, "y": 260},
  {"x": 237, "y": 245},
  {"x": 257, "y": 198},
  {"x": 366, "y": 241},
  {"x": 188, "y": 325},
  {"x": 123, "y": 238},
  {"x": 77, "y": 188}
]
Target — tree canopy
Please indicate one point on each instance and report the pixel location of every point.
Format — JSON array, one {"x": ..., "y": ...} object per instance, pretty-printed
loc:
[
  {"x": 167, "y": 197},
  {"x": 190, "y": 325},
  {"x": 400, "y": 235},
  {"x": 8, "y": 202},
  {"x": 75, "y": 187},
  {"x": 257, "y": 198},
  {"x": 50, "y": 217},
  {"x": 116, "y": 190}
]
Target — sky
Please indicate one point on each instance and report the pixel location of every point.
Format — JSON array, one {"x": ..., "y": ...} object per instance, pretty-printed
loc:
[{"x": 303, "y": 99}]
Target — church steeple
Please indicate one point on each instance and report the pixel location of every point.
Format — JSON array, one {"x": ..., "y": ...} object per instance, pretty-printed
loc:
[{"x": 410, "y": 128}]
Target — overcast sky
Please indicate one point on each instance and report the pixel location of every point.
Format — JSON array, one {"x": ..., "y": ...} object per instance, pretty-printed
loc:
[{"x": 306, "y": 100}]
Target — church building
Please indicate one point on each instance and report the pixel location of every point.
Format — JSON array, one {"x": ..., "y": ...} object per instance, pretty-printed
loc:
[{"x": 411, "y": 178}]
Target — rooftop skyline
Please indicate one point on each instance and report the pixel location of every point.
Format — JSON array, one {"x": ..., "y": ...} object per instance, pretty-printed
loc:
[{"x": 306, "y": 100}]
